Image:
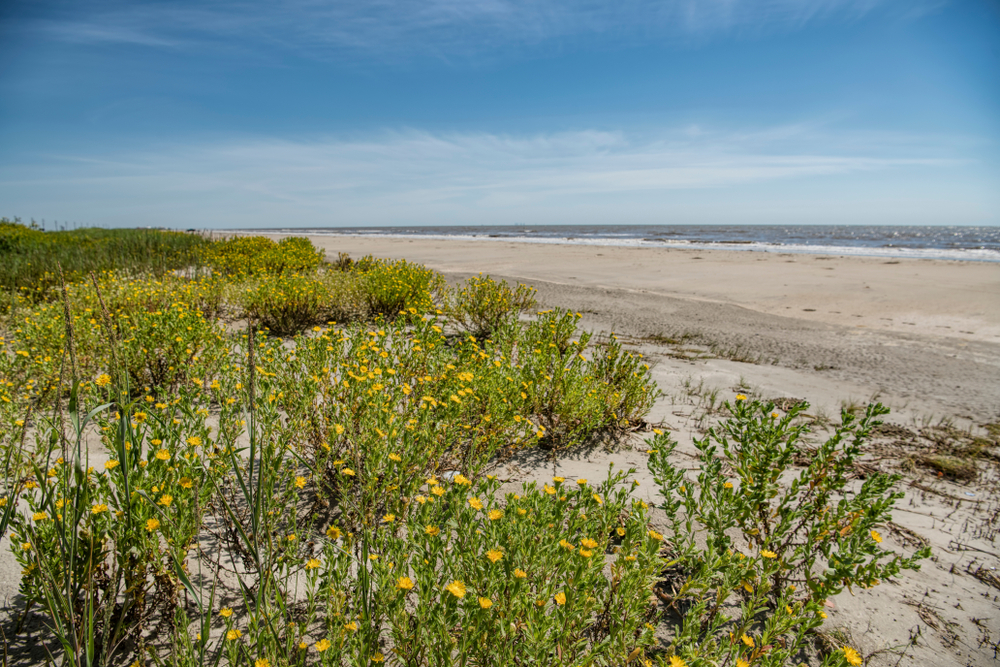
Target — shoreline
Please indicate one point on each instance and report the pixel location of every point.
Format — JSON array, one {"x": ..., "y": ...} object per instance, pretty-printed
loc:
[{"x": 972, "y": 254}]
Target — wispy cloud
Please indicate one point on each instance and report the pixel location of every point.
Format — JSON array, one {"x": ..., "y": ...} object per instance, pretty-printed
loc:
[
  {"x": 447, "y": 29},
  {"x": 414, "y": 177}
]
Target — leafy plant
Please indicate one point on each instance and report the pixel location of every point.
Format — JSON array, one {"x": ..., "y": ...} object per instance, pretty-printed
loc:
[
  {"x": 392, "y": 288},
  {"x": 801, "y": 538},
  {"x": 482, "y": 305},
  {"x": 254, "y": 255}
]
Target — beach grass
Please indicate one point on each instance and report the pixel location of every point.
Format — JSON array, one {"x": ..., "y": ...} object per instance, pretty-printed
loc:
[{"x": 32, "y": 258}]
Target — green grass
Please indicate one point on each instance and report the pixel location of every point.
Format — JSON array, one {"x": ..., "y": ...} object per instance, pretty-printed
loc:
[{"x": 29, "y": 257}]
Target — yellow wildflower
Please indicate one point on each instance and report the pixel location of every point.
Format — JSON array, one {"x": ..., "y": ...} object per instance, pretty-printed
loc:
[
  {"x": 852, "y": 656},
  {"x": 476, "y": 503},
  {"x": 494, "y": 555},
  {"x": 495, "y": 514},
  {"x": 234, "y": 634},
  {"x": 876, "y": 536},
  {"x": 485, "y": 603},
  {"x": 152, "y": 524},
  {"x": 404, "y": 583},
  {"x": 560, "y": 598},
  {"x": 225, "y": 612},
  {"x": 520, "y": 574},
  {"x": 312, "y": 564},
  {"x": 456, "y": 588},
  {"x": 322, "y": 645}
]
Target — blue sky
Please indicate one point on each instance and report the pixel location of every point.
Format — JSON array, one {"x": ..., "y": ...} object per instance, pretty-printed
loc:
[{"x": 404, "y": 112}]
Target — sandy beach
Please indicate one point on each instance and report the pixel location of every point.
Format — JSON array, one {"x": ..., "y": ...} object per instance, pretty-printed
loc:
[
  {"x": 921, "y": 336},
  {"x": 924, "y": 335}
]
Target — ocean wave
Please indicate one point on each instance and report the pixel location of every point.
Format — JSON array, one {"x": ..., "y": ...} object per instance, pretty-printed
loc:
[{"x": 623, "y": 241}]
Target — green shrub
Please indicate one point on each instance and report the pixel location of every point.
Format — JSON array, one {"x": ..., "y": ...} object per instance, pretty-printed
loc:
[
  {"x": 286, "y": 305},
  {"x": 571, "y": 398},
  {"x": 482, "y": 306},
  {"x": 392, "y": 287},
  {"x": 253, "y": 255},
  {"x": 289, "y": 303},
  {"x": 801, "y": 539}
]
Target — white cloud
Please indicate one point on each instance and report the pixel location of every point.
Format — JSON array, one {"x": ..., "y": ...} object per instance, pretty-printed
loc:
[
  {"x": 414, "y": 177},
  {"x": 447, "y": 29}
]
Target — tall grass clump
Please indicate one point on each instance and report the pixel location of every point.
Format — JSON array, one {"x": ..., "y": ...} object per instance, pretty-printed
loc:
[{"x": 30, "y": 256}]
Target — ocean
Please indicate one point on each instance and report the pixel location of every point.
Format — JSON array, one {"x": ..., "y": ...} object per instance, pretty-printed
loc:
[{"x": 957, "y": 243}]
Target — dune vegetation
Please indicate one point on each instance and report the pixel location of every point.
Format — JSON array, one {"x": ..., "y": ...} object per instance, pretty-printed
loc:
[{"x": 234, "y": 453}]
